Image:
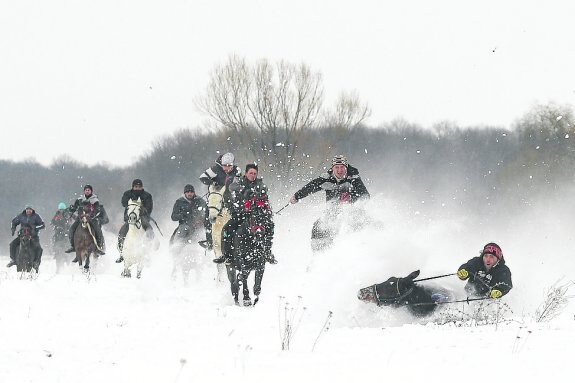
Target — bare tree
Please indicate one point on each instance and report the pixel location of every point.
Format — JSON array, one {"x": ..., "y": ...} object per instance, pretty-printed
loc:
[{"x": 267, "y": 107}]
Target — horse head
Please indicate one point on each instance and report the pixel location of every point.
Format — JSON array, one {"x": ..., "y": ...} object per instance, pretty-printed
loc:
[
  {"x": 215, "y": 201},
  {"x": 394, "y": 291},
  {"x": 26, "y": 233},
  {"x": 85, "y": 214},
  {"x": 134, "y": 210}
]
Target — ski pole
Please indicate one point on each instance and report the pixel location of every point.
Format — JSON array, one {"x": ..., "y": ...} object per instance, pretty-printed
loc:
[{"x": 439, "y": 276}]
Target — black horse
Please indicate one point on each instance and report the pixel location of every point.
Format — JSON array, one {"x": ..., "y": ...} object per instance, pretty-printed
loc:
[
  {"x": 26, "y": 254},
  {"x": 248, "y": 256},
  {"x": 403, "y": 292}
]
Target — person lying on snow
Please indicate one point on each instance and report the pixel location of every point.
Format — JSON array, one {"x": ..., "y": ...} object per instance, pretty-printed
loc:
[{"x": 487, "y": 274}]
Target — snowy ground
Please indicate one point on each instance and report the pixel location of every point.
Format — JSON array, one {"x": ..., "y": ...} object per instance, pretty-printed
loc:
[{"x": 63, "y": 327}]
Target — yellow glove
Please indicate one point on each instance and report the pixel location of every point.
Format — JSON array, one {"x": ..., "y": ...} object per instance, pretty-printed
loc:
[
  {"x": 462, "y": 274},
  {"x": 495, "y": 294}
]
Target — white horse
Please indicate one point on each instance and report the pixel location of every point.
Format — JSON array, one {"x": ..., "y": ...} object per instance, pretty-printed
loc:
[
  {"x": 136, "y": 244},
  {"x": 218, "y": 215}
]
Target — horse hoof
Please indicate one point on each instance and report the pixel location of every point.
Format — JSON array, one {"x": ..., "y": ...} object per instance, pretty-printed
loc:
[{"x": 247, "y": 302}]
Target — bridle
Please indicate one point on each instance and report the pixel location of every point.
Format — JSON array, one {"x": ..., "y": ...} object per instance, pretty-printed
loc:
[
  {"x": 393, "y": 300},
  {"x": 133, "y": 217}
]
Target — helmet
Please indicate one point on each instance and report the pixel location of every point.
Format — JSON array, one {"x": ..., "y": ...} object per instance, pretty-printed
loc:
[
  {"x": 493, "y": 249},
  {"x": 339, "y": 160},
  {"x": 227, "y": 159},
  {"x": 61, "y": 206}
]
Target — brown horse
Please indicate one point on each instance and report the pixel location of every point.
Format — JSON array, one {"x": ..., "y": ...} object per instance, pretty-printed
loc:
[{"x": 84, "y": 241}]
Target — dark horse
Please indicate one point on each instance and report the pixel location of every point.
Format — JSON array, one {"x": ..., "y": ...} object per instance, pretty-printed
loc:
[
  {"x": 84, "y": 240},
  {"x": 403, "y": 292},
  {"x": 249, "y": 256},
  {"x": 26, "y": 255}
]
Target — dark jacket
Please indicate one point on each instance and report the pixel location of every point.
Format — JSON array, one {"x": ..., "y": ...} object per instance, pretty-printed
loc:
[
  {"x": 191, "y": 212},
  {"x": 349, "y": 189},
  {"x": 145, "y": 197},
  {"x": 90, "y": 204},
  {"x": 33, "y": 220},
  {"x": 217, "y": 176},
  {"x": 249, "y": 196},
  {"x": 62, "y": 218},
  {"x": 481, "y": 281}
]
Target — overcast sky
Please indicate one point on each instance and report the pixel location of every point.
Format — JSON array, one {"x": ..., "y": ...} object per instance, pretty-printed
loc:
[{"x": 101, "y": 80}]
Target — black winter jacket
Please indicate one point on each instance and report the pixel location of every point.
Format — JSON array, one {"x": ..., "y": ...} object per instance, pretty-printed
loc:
[
  {"x": 191, "y": 212},
  {"x": 216, "y": 175},
  {"x": 145, "y": 197},
  {"x": 33, "y": 220},
  {"x": 349, "y": 189},
  {"x": 481, "y": 281}
]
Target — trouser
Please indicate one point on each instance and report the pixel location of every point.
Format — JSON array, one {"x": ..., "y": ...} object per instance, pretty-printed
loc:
[
  {"x": 96, "y": 229},
  {"x": 208, "y": 227}
]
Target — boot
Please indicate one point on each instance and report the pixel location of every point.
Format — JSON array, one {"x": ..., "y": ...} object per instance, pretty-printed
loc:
[
  {"x": 120, "y": 259},
  {"x": 11, "y": 263},
  {"x": 70, "y": 250},
  {"x": 271, "y": 259}
]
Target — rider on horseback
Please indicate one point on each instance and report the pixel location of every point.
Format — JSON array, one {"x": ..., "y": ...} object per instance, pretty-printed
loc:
[
  {"x": 189, "y": 211},
  {"x": 341, "y": 183},
  {"x": 61, "y": 221},
  {"x": 224, "y": 172},
  {"x": 98, "y": 217},
  {"x": 137, "y": 191},
  {"x": 31, "y": 218},
  {"x": 251, "y": 197}
]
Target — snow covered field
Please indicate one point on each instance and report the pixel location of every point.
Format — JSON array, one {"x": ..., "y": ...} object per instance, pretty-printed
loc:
[{"x": 63, "y": 327}]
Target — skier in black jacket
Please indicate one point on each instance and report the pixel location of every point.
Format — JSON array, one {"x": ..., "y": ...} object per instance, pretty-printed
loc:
[
  {"x": 341, "y": 183},
  {"x": 487, "y": 274}
]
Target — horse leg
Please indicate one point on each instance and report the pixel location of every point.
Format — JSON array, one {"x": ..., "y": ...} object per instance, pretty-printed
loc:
[
  {"x": 245, "y": 288},
  {"x": 234, "y": 283},
  {"x": 259, "y": 275}
]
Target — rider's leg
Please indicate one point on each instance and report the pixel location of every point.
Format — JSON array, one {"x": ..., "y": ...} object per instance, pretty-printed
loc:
[
  {"x": 71, "y": 236},
  {"x": 227, "y": 247},
  {"x": 207, "y": 243},
  {"x": 99, "y": 238},
  {"x": 13, "y": 248}
]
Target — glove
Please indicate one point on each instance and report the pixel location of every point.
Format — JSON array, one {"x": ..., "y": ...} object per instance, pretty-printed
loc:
[
  {"x": 462, "y": 274},
  {"x": 494, "y": 294},
  {"x": 13, "y": 231}
]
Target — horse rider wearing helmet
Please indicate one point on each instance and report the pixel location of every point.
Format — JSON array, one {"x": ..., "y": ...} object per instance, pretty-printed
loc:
[
  {"x": 89, "y": 203},
  {"x": 224, "y": 172},
  {"x": 31, "y": 218}
]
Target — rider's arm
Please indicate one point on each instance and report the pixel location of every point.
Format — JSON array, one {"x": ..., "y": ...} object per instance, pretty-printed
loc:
[
  {"x": 311, "y": 187},
  {"x": 176, "y": 212}
]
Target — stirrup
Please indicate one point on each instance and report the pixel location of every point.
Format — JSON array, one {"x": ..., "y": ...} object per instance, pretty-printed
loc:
[
  {"x": 120, "y": 260},
  {"x": 219, "y": 260}
]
